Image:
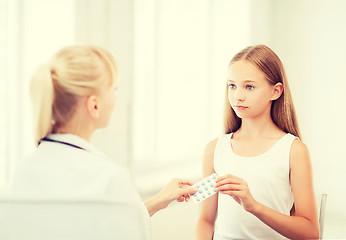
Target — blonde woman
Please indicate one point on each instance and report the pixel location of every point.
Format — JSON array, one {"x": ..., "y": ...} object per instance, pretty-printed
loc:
[
  {"x": 73, "y": 95},
  {"x": 265, "y": 187}
]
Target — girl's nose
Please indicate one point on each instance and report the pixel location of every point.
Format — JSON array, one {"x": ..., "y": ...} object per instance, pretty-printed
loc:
[{"x": 239, "y": 95}]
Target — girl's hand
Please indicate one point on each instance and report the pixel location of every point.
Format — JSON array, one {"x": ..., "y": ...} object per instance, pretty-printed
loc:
[{"x": 238, "y": 189}]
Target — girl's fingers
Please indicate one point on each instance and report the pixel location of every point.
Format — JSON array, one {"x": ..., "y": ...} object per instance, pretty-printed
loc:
[
  {"x": 236, "y": 195},
  {"x": 229, "y": 177},
  {"x": 229, "y": 187},
  {"x": 224, "y": 177},
  {"x": 227, "y": 181},
  {"x": 237, "y": 199}
]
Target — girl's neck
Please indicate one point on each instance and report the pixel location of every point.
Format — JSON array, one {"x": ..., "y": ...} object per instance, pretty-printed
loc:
[{"x": 258, "y": 128}]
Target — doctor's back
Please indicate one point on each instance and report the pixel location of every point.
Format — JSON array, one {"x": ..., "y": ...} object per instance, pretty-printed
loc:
[{"x": 69, "y": 166}]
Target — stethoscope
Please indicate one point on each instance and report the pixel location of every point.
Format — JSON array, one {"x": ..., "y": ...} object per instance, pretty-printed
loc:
[{"x": 61, "y": 142}]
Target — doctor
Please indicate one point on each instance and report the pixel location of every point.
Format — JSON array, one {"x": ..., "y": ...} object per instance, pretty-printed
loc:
[{"x": 73, "y": 96}]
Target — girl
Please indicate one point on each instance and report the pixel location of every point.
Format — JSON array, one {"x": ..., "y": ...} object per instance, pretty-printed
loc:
[
  {"x": 265, "y": 185},
  {"x": 73, "y": 96}
]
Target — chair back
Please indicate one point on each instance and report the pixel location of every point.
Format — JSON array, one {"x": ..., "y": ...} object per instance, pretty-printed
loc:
[
  {"x": 322, "y": 214},
  {"x": 71, "y": 219}
]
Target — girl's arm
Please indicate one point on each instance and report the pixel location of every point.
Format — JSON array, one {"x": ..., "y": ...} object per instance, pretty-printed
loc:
[
  {"x": 304, "y": 224},
  {"x": 208, "y": 209}
]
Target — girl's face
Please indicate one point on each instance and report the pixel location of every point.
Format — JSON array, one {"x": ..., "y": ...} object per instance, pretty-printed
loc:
[{"x": 249, "y": 93}]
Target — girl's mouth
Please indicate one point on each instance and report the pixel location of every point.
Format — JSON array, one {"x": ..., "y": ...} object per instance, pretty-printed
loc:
[{"x": 240, "y": 107}]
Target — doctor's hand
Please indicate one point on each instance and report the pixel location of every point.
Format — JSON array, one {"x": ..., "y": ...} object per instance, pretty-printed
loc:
[
  {"x": 177, "y": 189},
  {"x": 238, "y": 189}
]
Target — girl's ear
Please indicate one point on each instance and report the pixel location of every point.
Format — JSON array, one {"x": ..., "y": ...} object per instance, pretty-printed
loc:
[
  {"x": 93, "y": 106},
  {"x": 277, "y": 91}
]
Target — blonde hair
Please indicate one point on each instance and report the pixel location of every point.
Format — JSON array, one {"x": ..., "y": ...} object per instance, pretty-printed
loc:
[
  {"x": 74, "y": 71},
  {"x": 282, "y": 110}
]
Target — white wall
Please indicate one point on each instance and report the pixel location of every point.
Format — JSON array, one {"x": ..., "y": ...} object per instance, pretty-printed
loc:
[
  {"x": 310, "y": 37},
  {"x": 109, "y": 23}
]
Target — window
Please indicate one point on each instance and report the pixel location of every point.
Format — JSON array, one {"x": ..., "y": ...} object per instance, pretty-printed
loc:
[
  {"x": 29, "y": 33},
  {"x": 182, "y": 51},
  {"x": 9, "y": 93},
  {"x": 3, "y": 89}
]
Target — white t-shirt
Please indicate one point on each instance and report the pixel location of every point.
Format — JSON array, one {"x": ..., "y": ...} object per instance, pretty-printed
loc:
[
  {"x": 267, "y": 176},
  {"x": 70, "y": 166}
]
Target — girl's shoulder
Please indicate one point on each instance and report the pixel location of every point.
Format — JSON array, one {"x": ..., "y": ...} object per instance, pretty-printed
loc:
[
  {"x": 208, "y": 157},
  {"x": 299, "y": 153},
  {"x": 298, "y": 147},
  {"x": 210, "y": 147},
  {"x": 224, "y": 138}
]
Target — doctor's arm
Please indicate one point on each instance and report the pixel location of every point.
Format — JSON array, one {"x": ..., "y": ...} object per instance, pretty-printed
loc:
[{"x": 177, "y": 189}]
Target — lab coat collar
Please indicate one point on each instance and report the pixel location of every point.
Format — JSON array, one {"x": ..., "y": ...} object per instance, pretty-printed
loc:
[{"x": 77, "y": 141}]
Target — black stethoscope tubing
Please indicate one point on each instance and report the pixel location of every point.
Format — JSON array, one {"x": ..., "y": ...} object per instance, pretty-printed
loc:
[{"x": 61, "y": 142}]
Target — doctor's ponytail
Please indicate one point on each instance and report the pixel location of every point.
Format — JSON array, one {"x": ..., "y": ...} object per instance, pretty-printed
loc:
[{"x": 42, "y": 95}]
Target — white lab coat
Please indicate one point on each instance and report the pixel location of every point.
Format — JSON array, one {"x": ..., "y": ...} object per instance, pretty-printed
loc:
[{"x": 58, "y": 170}]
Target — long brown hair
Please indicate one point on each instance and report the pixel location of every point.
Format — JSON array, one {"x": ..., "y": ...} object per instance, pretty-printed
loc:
[{"x": 282, "y": 110}]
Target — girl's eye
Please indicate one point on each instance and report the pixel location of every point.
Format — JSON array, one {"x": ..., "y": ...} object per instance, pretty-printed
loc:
[
  {"x": 232, "y": 86},
  {"x": 249, "y": 87}
]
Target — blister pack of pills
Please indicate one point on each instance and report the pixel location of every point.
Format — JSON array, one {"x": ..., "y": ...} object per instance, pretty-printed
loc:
[{"x": 206, "y": 188}]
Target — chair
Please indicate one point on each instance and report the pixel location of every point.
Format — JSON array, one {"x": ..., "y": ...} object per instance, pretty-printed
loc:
[
  {"x": 322, "y": 214},
  {"x": 71, "y": 219}
]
